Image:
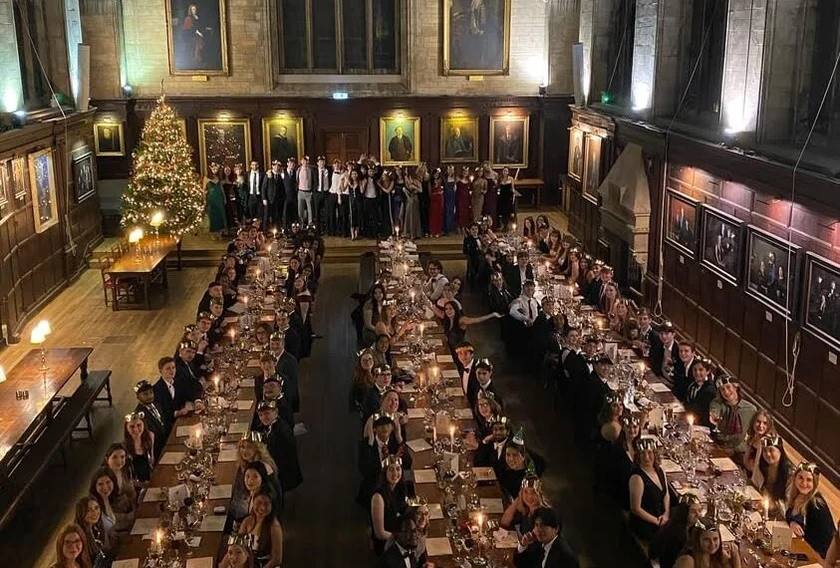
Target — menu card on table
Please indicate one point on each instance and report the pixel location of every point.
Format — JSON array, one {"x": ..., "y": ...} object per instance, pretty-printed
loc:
[
  {"x": 130, "y": 563},
  {"x": 221, "y": 491},
  {"x": 659, "y": 387},
  {"x": 171, "y": 458},
  {"x": 238, "y": 428},
  {"x": 449, "y": 374},
  {"x": 416, "y": 412},
  {"x": 492, "y": 506},
  {"x": 463, "y": 413},
  {"x": 144, "y": 526},
  {"x": 229, "y": 455},
  {"x": 435, "y": 511},
  {"x": 424, "y": 476},
  {"x": 505, "y": 539},
  {"x": 454, "y": 391},
  {"x": 213, "y": 523},
  {"x": 206, "y": 562},
  {"x": 444, "y": 359},
  {"x": 438, "y": 546},
  {"x": 670, "y": 466},
  {"x": 419, "y": 445},
  {"x": 484, "y": 474},
  {"x": 247, "y": 383},
  {"x": 725, "y": 464}
]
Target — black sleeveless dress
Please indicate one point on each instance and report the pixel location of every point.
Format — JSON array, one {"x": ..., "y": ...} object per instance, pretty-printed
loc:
[
  {"x": 653, "y": 501},
  {"x": 395, "y": 508},
  {"x": 504, "y": 207}
]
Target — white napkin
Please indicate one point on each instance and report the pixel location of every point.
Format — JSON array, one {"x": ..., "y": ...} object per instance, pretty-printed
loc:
[
  {"x": 416, "y": 413},
  {"x": 484, "y": 474},
  {"x": 438, "y": 546},
  {"x": 221, "y": 491},
  {"x": 725, "y": 464},
  {"x": 669, "y": 466},
  {"x": 659, "y": 387},
  {"x": 171, "y": 458},
  {"x": 419, "y": 445},
  {"x": 449, "y": 374}
]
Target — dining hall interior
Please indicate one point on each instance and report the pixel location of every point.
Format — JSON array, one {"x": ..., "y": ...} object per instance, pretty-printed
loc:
[{"x": 419, "y": 283}]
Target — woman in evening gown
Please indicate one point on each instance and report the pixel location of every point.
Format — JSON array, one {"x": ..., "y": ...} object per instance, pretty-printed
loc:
[
  {"x": 412, "y": 228},
  {"x": 436, "y": 205},
  {"x": 215, "y": 200},
  {"x": 463, "y": 199}
]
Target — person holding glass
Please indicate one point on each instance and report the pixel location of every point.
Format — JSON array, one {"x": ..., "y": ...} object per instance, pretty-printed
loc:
[{"x": 730, "y": 414}]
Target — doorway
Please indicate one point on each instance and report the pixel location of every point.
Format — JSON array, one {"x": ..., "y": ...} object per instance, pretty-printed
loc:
[{"x": 344, "y": 145}]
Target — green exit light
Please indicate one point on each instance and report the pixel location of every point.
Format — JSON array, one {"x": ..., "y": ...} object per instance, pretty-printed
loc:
[{"x": 606, "y": 98}]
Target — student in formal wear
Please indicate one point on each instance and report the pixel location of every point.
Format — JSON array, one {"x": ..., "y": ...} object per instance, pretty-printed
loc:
[
  {"x": 373, "y": 450},
  {"x": 808, "y": 513},
  {"x": 391, "y": 323},
  {"x": 103, "y": 488},
  {"x": 407, "y": 546},
  {"x": 291, "y": 336},
  {"x": 524, "y": 310},
  {"x": 775, "y": 471},
  {"x": 286, "y": 366},
  {"x": 482, "y": 384},
  {"x": 761, "y": 425},
  {"x": 139, "y": 442},
  {"x": 372, "y": 312},
  {"x": 172, "y": 396},
  {"x": 271, "y": 192},
  {"x": 648, "y": 336},
  {"x": 288, "y": 175},
  {"x": 485, "y": 411},
  {"x": 392, "y": 406},
  {"x": 615, "y": 464},
  {"x": 473, "y": 249},
  {"x": 124, "y": 502},
  {"x": 668, "y": 543},
  {"x": 832, "y": 557},
  {"x": 543, "y": 546},
  {"x": 251, "y": 450},
  {"x": 361, "y": 379},
  {"x": 730, "y": 414},
  {"x": 454, "y": 323},
  {"x": 593, "y": 396},
  {"x": 320, "y": 192},
  {"x": 609, "y": 418},
  {"x": 706, "y": 550},
  {"x": 188, "y": 370},
  {"x": 264, "y": 530},
  {"x": 701, "y": 391},
  {"x": 516, "y": 275},
  {"x": 372, "y": 399},
  {"x": 665, "y": 353},
  {"x": 465, "y": 362},
  {"x": 280, "y": 440},
  {"x": 682, "y": 376},
  {"x": 518, "y": 463},
  {"x": 519, "y": 515},
  {"x": 101, "y": 544},
  {"x": 71, "y": 548},
  {"x": 155, "y": 422},
  {"x": 388, "y": 502},
  {"x": 491, "y": 453},
  {"x": 382, "y": 351},
  {"x": 650, "y": 502},
  {"x": 239, "y": 553},
  {"x": 433, "y": 287},
  {"x": 255, "y": 179}
]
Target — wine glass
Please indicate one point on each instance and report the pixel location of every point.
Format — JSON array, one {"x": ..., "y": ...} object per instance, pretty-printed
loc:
[{"x": 715, "y": 417}]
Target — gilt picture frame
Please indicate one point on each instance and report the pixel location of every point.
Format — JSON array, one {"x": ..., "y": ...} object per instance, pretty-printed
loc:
[
  {"x": 196, "y": 37},
  {"x": 399, "y": 140},
  {"x": 225, "y": 142},
  {"x": 459, "y": 139},
  {"x": 42, "y": 186},
  {"x": 476, "y": 37},
  {"x": 282, "y": 139},
  {"x": 509, "y": 141}
]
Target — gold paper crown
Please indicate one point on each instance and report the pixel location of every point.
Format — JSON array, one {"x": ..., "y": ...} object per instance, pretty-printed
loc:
[
  {"x": 810, "y": 467},
  {"x": 630, "y": 420},
  {"x": 771, "y": 441},
  {"x": 725, "y": 380},
  {"x": 416, "y": 501},
  {"x": 531, "y": 481},
  {"x": 246, "y": 541},
  {"x": 135, "y": 416},
  {"x": 252, "y": 436},
  {"x": 484, "y": 363},
  {"x": 392, "y": 461},
  {"x": 688, "y": 499},
  {"x": 706, "y": 524},
  {"x": 645, "y": 443}
]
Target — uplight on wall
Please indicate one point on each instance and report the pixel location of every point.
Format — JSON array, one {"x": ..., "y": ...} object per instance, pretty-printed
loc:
[
  {"x": 11, "y": 99},
  {"x": 641, "y": 96},
  {"x": 340, "y": 96}
]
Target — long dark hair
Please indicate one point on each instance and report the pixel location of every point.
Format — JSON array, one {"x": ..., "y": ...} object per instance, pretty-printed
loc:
[
  {"x": 145, "y": 441},
  {"x": 104, "y": 471},
  {"x": 95, "y": 534},
  {"x": 783, "y": 474},
  {"x": 264, "y": 529},
  {"x": 376, "y": 306},
  {"x": 456, "y": 319}
]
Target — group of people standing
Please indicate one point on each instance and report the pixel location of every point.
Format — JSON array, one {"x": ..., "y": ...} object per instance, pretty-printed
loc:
[{"x": 360, "y": 199}]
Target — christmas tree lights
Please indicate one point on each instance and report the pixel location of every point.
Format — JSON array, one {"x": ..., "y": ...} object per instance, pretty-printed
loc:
[{"x": 163, "y": 178}]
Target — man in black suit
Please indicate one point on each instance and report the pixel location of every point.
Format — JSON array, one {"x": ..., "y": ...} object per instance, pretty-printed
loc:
[
  {"x": 701, "y": 391},
  {"x": 372, "y": 452},
  {"x": 287, "y": 367},
  {"x": 647, "y": 334},
  {"x": 544, "y": 547},
  {"x": 598, "y": 285},
  {"x": 291, "y": 334},
  {"x": 188, "y": 370},
  {"x": 171, "y": 396},
  {"x": 279, "y": 438},
  {"x": 492, "y": 454},
  {"x": 271, "y": 192},
  {"x": 516, "y": 275},
  {"x": 214, "y": 290},
  {"x": 289, "y": 177},
  {"x": 273, "y": 390},
  {"x": 482, "y": 383},
  {"x": 152, "y": 415},
  {"x": 665, "y": 353},
  {"x": 320, "y": 193},
  {"x": 373, "y": 395},
  {"x": 683, "y": 368},
  {"x": 464, "y": 362},
  {"x": 402, "y": 553},
  {"x": 255, "y": 179},
  {"x": 499, "y": 299},
  {"x": 593, "y": 396},
  {"x": 473, "y": 249}
]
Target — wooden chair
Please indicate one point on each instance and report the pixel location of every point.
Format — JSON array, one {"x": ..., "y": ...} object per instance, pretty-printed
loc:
[{"x": 122, "y": 288}]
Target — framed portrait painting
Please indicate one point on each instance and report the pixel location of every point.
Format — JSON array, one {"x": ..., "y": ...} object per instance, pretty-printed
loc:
[
  {"x": 108, "y": 139},
  {"x": 5, "y": 181},
  {"x": 282, "y": 139},
  {"x": 399, "y": 141},
  {"x": 509, "y": 142},
  {"x": 197, "y": 34},
  {"x": 773, "y": 271},
  {"x": 224, "y": 142},
  {"x": 722, "y": 244},
  {"x": 681, "y": 222},
  {"x": 576, "y": 153},
  {"x": 476, "y": 37},
  {"x": 20, "y": 181},
  {"x": 42, "y": 186},
  {"x": 459, "y": 139},
  {"x": 84, "y": 178},
  {"x": 822, "y": 299},
  {"x": 591, "y": 167}
]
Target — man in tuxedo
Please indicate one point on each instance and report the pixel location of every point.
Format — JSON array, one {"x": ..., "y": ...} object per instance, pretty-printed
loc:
[
  {"x": 270, "y": 191},
  {"x": 171, "y": 396},
  {"x": 465, "y": 353},
  {"x": 152, "y": 415},
  {"x": 214, "y": 290},
  {"x": 542, "y": 240},
  {"x": 492, "y": 453},
  {"x": 373, "y": 452},
  {"x": 279, "y": 438},
  {"x": 290, "y": 198},
  {"x": 683, "y": 367},
  {"x": 287, "y": 367},
  {"x": 188, "y": 368},
  {"x": 402, "y": 553},
  {"x": 499, "y": 295},
  {"x": 292, "y": 339},
  {"x": 272, "y": 389},
  {"x": 473, "y": 249},
  {"x": 255, "y": 180},
  {"x": 483, "y": 383},
  {"x": 598, "y": 285},
  {"x": 373, "y": 395},
  {"x": 701, "y": 391},
  {"x": 665, "y": 353},
  {"x": 433, "y": 288},
  {"x": 595, "y": 391},
  {"x": 543, "y": 546},
  {"x": 647, "y": 334},
  {"x": 320, "y": 195},
  {"x": 516, "y": 275},
  {"x": 525, "y": 310}
]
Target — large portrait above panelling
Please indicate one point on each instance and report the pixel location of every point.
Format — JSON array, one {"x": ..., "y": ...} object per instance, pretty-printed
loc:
[
  {"x": 197, "y": 37},
  {"x": 476, "y": 37}
]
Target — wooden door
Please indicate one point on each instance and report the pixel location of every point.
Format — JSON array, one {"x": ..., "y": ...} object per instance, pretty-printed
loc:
[{"x": 344, "y": 145}]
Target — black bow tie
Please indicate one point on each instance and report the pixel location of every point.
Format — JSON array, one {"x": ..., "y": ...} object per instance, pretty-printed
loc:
[{"x": 407, "y": 554}]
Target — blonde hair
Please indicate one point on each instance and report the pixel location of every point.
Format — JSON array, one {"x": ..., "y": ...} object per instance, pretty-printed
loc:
[
  {"x": 813, "y": 497},
  {"x": 260, "y": 454}
]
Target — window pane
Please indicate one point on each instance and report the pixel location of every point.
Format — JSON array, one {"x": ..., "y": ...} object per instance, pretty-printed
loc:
[
  {"x": 384, "y": 34},
  {"x": 323, "y": 30},
  {"x": 294, "y": 34},
  {"x": 702, "y": 102},
  {"x": 355, "y": 34}
]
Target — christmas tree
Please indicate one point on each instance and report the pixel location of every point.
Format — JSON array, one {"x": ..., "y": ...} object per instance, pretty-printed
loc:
[{"x": 163, "y": 179}]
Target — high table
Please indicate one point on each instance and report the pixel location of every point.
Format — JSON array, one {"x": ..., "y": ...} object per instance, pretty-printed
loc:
[{"x": 147, "y": 265}]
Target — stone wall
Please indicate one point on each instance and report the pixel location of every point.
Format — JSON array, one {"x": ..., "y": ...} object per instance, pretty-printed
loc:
[
  {"x": 11, "y": 90},
  {"x": 742, "y": 64}
]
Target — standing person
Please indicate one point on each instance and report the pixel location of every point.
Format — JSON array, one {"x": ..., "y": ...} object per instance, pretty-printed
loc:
[
  {"x": 507, "y": 189},
  {"x": 254, "y": 196},
  {"x": 289, "y": 177},
  {"x": 436, "y": 205},
  {"x": 479, "y": 189},
  {"x": 331, "y": 210},
  {"x": 240, "y": 184},
  {"x": 215, "y": 201},
  {"x": 449, "y": 199},
  {"x": 321, "y": 190},
  {"x": 270, "y": 192},
  {"x": 492, "y": 196},
  {"x": 463, "y": 198},
  {"x": 386, "y": 200},
  {"x": 355, "y": 198},
  {"x": 370, "y": 205},
  {"x": 343, "y": 204},
  {"x": 398, "y": 196},
  {"x": 229, "y": 188},
  {"x": 425, "y": 178},
  {"x": 412, "y": 227},
  {"x": 304, "y": 189}
]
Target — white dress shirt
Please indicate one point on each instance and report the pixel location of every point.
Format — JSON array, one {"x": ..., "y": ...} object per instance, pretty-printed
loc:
[
  {"x": 323, "y": 183},
  {"x": 335, "y": 182},
  {"x": 434, "y": 287},
  {"x": 524, "y": 309},
  {"x": 254, "y": 183},
  {"x": 465, "y": 376}
]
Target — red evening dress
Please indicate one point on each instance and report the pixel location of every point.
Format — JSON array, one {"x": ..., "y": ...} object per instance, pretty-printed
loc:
[
  {"x": 436, "y": 210},
  {"x": 464, "y": 204}
]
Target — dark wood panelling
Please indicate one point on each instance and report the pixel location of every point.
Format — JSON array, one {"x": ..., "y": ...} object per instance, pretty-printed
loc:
[
  {"x": 827, "y": 428},
  {"x": 805, "y": 415},
  {"x": 749, "y": 366},
  {"x": 765, "y": 381}
]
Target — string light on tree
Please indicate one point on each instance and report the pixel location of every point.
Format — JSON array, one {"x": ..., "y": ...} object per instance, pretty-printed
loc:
[{"x": 164, "y": 191}]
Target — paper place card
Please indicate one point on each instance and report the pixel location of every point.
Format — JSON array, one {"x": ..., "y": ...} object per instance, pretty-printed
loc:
[
  {"x": 505, "y": 539},
  {"x": 454, "y": 391},
  {"x": 228, "y": 455},
  {"x": 725, "y": 464},
  {"x": 670, "y": 466},
  {"x": 445, "y": 359},
  {"x": 416, "y": 412},
  {"x": 237, "y": 308},
  {"x": 435, "y": 511},
  {"x": 153, "y": 495},
  {"x": 424, "y": 476},
  {"x": 171, "y": 458},
  {"x": 253, "y": 362},
  {"x": 659, "y": 387},
  {"x": 247, "y": 383},
  {"x": 725, "y": 534},
  {"x": 402, "y": 363},
  {"x": 130, "y": 563},
  {"x": 419, "y": 445},
  {"x": 492, "y": 506},
  {"x": 676, "y": 407},
  {"x": 194, "y": 542},
  {"x": 221, "y": 491},
  {"x": 237, "y": 428},
  {"x": 751, "y": 493},
  {"x": 213, "y": 523},
  {"x": 408, "y": 389},
  {"x": 449, "y": 374},
  {"x": 463, "y": 413},
  {"x": 184, "y": 431},
  {"x": 144, "y": 526},
  {"x": 206, "y": 562},
  {"x": 438, "y": 546},
  {"x": 230, "y": 320},
  {"x": 484, "y": 474}
]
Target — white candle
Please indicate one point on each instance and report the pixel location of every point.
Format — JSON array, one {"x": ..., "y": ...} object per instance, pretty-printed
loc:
[
  {"x": 197, "y": 434},
  {"x": 452, "y": 438},
  {"x": 216, "y": 383},
  {"x": 397, "y": 230},
  {"x": 434, "y": 434},
  {"x": 766, "y": 509},
  {"x": 480, "y": 522},
  {"x": 690, "y": 419},
  {"x": 421, "y": 330}
]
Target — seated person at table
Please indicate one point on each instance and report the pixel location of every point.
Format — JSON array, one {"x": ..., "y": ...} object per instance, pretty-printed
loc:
[
  {"x": 292, "y": 336},
  {"x": 395, "y": 408},
  {"x": 761, "y": 425},
  {"x": 262, "y": 334},
  {"x": 172, "y": 395},
  {"x": 707, "y": 550},
  {"x": 372, "y": 312},
  {"x": 239, "y": 553},
  {"x": 251, "y": 450},
  {"x": 730, "y": 414},
  {"x": 287, "y": 367},
  {"x": 230, "y": 262},
  {"x": 774, "y": 474},
  {"x": 273, "y": 390},
  {"x": 447, "y": 296},
  {"x": 140, "y": 445},
  {"x": 683, "y": 376},
  {"x": 382, "y": 351},
  {"x": 214, "y": 290},
  {"x": 264, "y": 530},
  {"x": 156, "y": 423},
  {"x": 465, "y": 363},
  {"x": 701, "y": 391},
  {"x": 620, "y": 317},
  {"x": 203, "y": 323},
  {"x": 832, "y": 557},
  {"x": 408, "y": 545},
  {"x": 595, "y": 289},
  {"x": 593, "y": 396},
  {"x": 188, "y": 367},
  {"x": 665, "y": 353},
  {"x": 294, "y": 271},
  {"x": 454, "y": 323},
  {"x": 668, "y": 543},
  {"x": 648, "y": 337},
  {"x": 116, "y": 459},
  {"x": 519, "y": 515},
  {"x": 650, "y": 502},
  {"x": 279, "y": 438},
  {"x": 544, "y": 547},
  {"x": 100, "y": 543},
  {"x": 433, "y": 288},
  {"x": 491, "y": 453},
  {"x": 389, "y": 323},
  {"x": 216, "y": 331},
  {"x": 483, "y": 383},
  {"x": 373, "y": 396},
  {"x": 255, "y": 479},
  {"x": 518, "y": 463},
  {"x": 71, "y": 548},
  {"x": 388, "y": 502},
  {"x": 103, "y": 488},
  {"x": 614, "y": 464},
  {"x": 609, "y": 418},
  {"x": 373, "y": 450},
  {"x": 516, "y": 275},
  {"x": 361, "y": 380},
  {"x": 808, "y": 514},
  {"x": 485, "y": 412}
]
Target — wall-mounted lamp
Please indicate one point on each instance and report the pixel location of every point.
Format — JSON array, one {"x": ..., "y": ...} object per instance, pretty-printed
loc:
[
  {"x": 223, "y": 116},
  {"x": 126, "y": 91},
  {"x": 542, "y": 90}
]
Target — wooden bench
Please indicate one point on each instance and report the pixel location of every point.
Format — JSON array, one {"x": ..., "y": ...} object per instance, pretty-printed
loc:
[{"x": 38, "y": 451}]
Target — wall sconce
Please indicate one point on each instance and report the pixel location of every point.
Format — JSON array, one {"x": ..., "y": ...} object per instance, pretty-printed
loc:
[
  {"x": 126, "y": 91},
  {"x": 223, "y": 116},
  {"x": 399, "y": 115}
]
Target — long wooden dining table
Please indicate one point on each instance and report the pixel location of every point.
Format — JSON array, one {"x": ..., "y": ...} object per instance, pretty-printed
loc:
[{"x": 146, "y": 264}]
